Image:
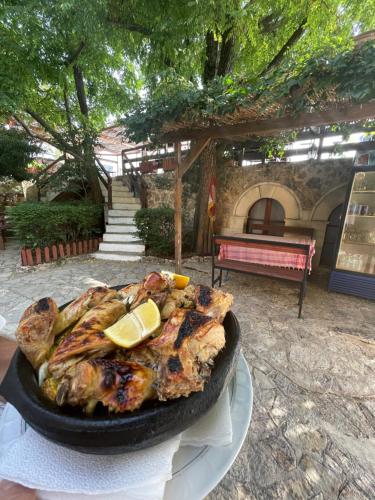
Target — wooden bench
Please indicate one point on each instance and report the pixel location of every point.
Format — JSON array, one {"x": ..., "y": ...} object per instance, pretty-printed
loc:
[{"x": 288, "y": 274}]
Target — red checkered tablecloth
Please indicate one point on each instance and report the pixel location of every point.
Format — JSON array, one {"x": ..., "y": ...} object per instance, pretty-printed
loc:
[{"x": 269, "y": 257}]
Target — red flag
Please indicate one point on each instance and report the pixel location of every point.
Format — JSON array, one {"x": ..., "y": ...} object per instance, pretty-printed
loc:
[{"x": 212, "y": 199}]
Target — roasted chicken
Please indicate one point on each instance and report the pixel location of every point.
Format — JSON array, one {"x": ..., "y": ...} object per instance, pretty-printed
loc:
[
  {"x": 119, "y": 385},
  {"x": 35, "y": 331},
  {"x": 87, "y": 339},
  {"x": 80, "y": 366},
  {"x": 212, "y": 302},
  {"x": 155, "y": 286},
  {"x": 76, "y": 309},
  {"x": 178, "y": 299},
  {"x": 182, "y": 354}
]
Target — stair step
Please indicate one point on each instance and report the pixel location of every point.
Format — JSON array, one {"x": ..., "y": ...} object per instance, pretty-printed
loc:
[
  {"x": 121, "y": 213},
  {"x": 124, "y": 198},
  {"x": 121, "y": 228},
  {"x": 120, "y": 220},
  {"x": 121, "y": 256},
  {"x": 117, "y": 191},
  {"x": 121, "y": 237},
  {"x": 126, "y": 205},
  {"x": 137, "y": 248}
]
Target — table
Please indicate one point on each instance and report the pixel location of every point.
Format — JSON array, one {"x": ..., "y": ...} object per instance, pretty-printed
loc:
[{"x": 269, "y": 257}]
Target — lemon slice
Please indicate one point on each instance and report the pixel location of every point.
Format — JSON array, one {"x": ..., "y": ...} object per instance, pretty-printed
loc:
[
  {"x": 136, "y": 326},
  {"x": 180, "y": 280}
]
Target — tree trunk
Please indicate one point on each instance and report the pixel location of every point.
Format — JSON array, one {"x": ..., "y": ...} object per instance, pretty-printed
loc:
[
  {"x": 207, "y": 170},
  {"x": 92, "y": 174}
]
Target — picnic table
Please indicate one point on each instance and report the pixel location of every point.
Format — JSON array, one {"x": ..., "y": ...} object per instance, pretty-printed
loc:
[
  {"x": 267, "y": 256},
  {"x": 285, "y": 257}
]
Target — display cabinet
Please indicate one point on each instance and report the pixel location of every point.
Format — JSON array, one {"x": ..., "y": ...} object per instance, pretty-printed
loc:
[{"x": 354, "y": 269}]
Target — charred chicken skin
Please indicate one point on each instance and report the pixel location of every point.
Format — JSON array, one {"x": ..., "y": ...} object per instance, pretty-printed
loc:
[
  {"x": 183, "y": 353},
  {"x": 76, "y": 309},
  {"x": 155, "y": 286},
  {"x": 213, "y": 303},
  {"x": 118, "y": 385},
  {"x": 35, "y": 331},
  {"x": 87, "y": 339}
]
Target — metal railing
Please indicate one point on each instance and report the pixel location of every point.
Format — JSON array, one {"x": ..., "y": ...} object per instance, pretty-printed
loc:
[{"x": 133, "y": 178}]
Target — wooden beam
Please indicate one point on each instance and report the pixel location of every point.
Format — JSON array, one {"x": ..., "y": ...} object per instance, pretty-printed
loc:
[
  {"x": 272, "y": 126},
  {"x": 193, "y": 154},
  {"x": 178, "y": 209}
]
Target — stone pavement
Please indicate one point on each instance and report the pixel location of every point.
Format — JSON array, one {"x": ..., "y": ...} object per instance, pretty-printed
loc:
[{"x": 312, "y": 433}]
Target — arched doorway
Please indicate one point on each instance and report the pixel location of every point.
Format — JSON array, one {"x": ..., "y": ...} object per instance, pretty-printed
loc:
[
  {"x": 266, "y": 211},
  {"x": 330, "y": 238}
]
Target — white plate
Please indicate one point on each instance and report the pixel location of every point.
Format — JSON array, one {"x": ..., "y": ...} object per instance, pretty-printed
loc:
[{"x": 196, "y": 471}]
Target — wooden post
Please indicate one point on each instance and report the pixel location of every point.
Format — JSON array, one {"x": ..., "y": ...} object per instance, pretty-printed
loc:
[{"x": 178, "y": 210}]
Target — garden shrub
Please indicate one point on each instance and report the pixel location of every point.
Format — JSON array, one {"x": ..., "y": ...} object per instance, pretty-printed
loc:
[
  {"x": 156, "y": 229},
  {"x": 42, "y": 224}
]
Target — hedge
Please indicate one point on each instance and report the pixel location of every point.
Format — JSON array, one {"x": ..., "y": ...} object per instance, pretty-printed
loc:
[
  {"x": 42, "y": 224},
  {"x": 156, "y": 229}
]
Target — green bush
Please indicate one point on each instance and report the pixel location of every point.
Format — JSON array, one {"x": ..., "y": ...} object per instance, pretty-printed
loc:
[
  {"x": 41, "y": 224},
  {"x": 156, "y": 229}
]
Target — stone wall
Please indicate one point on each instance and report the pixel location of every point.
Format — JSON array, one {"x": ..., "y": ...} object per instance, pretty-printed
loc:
[
  {"x": 160, "y": 192},
  {"x": 308, "y": 192}
]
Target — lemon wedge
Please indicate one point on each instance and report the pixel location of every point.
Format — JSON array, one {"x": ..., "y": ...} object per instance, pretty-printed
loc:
[
  {"x": 180, "y": 280},
  {"x": 136, "y": 326}
]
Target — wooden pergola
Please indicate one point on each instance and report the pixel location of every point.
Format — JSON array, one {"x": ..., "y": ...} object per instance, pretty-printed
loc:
[{"x": 238, "y": 129}]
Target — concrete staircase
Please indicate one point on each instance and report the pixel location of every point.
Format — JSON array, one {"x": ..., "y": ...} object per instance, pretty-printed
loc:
[{"x": 119, "y": 240}]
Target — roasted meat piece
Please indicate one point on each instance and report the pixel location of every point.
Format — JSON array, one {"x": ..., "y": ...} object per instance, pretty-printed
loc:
[
  {"x": 76, "y": 309},
  {"x": 87, "y": 339},
  {"x": 212, "y": 302},
  {"x": 183, "y": 353},
  {"x": 35, "y": 330},
  {"x": 155, "y": 286},
  {"x": 119, "y": 385},
  {"x": 178, "y": 299}
]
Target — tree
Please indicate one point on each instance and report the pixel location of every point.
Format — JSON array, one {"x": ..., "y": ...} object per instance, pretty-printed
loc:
[
  {"x": 207, "y": 40},
  {"x": 16, "y": 153},
  {"x": 64, "y": 70}
]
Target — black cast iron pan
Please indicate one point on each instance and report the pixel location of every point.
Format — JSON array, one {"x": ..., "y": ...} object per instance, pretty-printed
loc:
[{"x": 109, "y": 434}]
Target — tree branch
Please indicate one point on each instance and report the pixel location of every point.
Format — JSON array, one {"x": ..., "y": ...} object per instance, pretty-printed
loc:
[
  {"x": 60, "y": 142},
  {"x": 73, "y": 57},
  {"x": 210, "y": 64},
  {"x": 138, "y": 28},
  {"x": 80, "y": 89},
  {"x": 67, "y": 112},
  {"x": 32, "y": 134},
  {"x": 288, "y": 44},
  {"x": 226, "y": 52}
]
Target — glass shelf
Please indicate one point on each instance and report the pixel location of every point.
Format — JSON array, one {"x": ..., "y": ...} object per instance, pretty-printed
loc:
[{"x": 359, "y": 224}]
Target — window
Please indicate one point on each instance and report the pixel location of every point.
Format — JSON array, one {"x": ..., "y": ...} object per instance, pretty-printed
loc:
[{"x": 266, "y": 212}]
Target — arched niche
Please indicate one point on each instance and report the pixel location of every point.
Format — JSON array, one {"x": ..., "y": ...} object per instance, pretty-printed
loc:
[
  {"x": 278, "y": 192},
  {"x": 285, "y": 196},
  {"x": 328, "y": 202}
]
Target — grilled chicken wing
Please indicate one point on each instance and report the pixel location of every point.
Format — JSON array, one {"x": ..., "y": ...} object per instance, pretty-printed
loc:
[
  {"x": 76, "y": 309},
  {"x": 214, "y": 303},
  {"x": 155, "y": 286},
  {"x": 35, "y": 331},
  {"x": 183, "y": 353},
  {"x": 119, "y": 385},
  {"x": 87, "y": 339}
]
